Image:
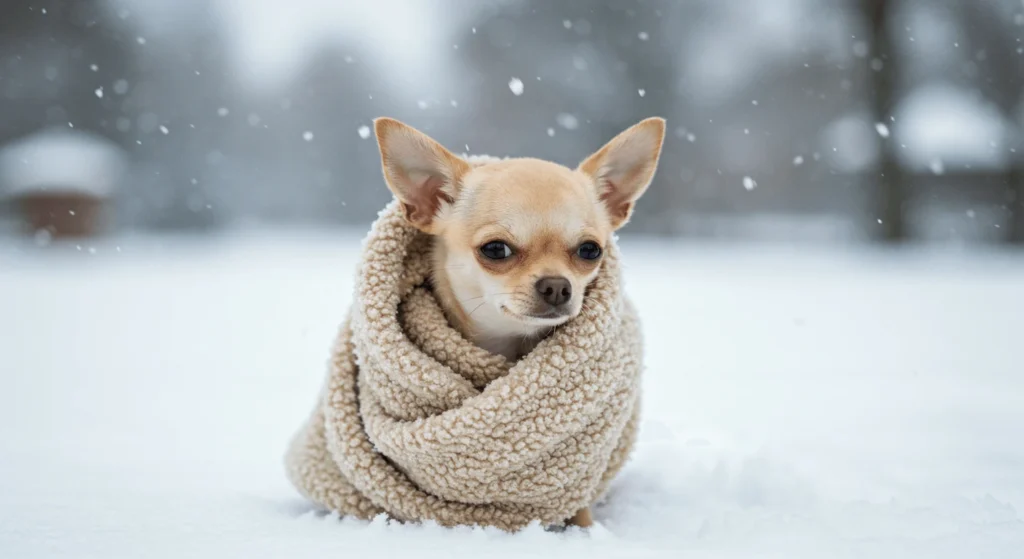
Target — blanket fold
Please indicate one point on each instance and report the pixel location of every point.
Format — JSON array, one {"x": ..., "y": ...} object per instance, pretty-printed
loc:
[{"x": 417, "y": 422}]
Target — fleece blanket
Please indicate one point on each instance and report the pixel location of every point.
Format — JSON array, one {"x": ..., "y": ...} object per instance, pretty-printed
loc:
[{"x": 417, "y": 422}]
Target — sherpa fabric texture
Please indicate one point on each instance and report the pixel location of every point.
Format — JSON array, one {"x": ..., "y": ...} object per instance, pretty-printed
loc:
[{"x": 417, "y": 422}]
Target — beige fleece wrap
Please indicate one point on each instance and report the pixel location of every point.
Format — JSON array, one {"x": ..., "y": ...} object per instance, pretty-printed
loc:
[{"x": 417, "y": 422}]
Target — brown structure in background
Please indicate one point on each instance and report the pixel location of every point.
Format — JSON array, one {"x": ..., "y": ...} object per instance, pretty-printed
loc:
[
  {"x": 61, "y": 182},
  {"x": 61, "y": 214}
]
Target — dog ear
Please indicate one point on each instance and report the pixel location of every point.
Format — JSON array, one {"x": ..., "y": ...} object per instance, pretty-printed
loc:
[
  {"x": 420, "y": 172},
  {"x": 624, "y": 167}
]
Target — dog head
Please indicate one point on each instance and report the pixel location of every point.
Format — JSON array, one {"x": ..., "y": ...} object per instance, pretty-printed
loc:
[{"x": 518, "y": 240}]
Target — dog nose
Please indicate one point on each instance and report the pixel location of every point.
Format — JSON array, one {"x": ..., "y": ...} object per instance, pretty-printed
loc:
[{"x": 556, "y": 291}]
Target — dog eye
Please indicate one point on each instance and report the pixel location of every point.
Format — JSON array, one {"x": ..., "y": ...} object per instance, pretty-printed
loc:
[
  {"x": 496, "y": 250},
  {"x": 589, "y": 251}
]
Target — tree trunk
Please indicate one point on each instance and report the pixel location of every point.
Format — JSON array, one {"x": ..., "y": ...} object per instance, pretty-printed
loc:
[
  {"x": 1015, "y": 202},
  {"x": 890, "y": 186}
]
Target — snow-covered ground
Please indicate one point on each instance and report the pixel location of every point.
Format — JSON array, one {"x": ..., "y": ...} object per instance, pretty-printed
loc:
[{"x": 816, "y": 403}]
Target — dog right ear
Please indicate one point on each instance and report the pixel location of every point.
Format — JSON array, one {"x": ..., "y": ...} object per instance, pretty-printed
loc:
[{"x": 420, "y": 172}]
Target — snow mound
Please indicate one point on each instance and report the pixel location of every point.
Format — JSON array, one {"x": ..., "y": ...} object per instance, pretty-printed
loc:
[
  {"x": 941, "y": 122},
  {"x": 61, "y": 160}
]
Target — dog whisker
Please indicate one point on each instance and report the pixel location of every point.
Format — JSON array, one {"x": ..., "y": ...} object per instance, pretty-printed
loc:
[
  {"x": 483, "y": 297},
  {"x": 476, "y": 309}
]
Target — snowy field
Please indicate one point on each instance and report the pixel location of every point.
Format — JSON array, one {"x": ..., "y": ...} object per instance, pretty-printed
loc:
[{"x": 798, "y": 404}]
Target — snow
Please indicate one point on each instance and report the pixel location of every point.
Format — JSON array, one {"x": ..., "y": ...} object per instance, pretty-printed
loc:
[
  {"x": 882, "y": 129},
  {"x": 944, "y": 122},
  {"x": 798, "y": 404},
  {"x": 89, "y": 163},
  {"x": 749, "y": 183},
  {"x": 364, "y": 132},
  {"x": 516, "y": 85},
  {"x": 307, "y": 136}
]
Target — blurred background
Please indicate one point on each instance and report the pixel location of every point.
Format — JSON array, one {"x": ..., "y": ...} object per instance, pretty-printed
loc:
[
  {"x": 183, "y": 186},
  {"x": 851, "y": 121}
]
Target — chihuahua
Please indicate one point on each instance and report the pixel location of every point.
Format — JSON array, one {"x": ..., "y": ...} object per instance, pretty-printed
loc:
[{"x": 517, "y": 241}]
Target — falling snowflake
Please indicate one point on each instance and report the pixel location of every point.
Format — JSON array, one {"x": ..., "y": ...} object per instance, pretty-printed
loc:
[
  {"x": 422, "y": 104},
  {"x": 643, "y": 36},
  {"x": 798, "y": 160},
  {"x": 566, "y": 24},
  {"x": 551, "y": 131},
  {"x": 223, "y": 111},
  {"x": 364, "y": 132},
  {"x": 516, "y": 85},
  {"x": 164, "y": 130},
  {"x": 937, "y": 167},
  {"x": 308, "y": 136},
  {"x": 99, "y": 92},
  {"x": 749, "y": 183},
  {"x": 567, "y": 121},
  {"x": 882, "y": 129},
  {"x": 94, "y": 68},
  {"x": 140, "y": 40},
  {"x": 642, "y": 92}
]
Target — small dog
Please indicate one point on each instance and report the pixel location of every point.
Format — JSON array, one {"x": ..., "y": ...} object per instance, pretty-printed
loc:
[{"x": 516, "y": 241}]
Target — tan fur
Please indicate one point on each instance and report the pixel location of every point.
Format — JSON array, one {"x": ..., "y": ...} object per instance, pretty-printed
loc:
[
  {"x": 541, "y": 209},
  {"x": 582, "y": 518}
]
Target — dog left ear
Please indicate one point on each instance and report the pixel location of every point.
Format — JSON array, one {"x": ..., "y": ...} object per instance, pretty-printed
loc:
[{"x": 625, "y": 166}]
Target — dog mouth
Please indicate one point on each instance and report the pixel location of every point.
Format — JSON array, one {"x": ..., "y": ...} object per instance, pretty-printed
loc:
[{"x": 549, "y": 318}]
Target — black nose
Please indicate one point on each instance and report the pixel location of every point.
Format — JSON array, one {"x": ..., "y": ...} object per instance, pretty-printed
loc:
[{"x": 556, "y": 291}]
